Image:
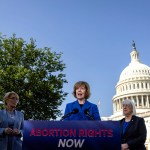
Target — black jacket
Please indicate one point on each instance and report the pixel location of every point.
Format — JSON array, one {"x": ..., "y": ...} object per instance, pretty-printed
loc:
[{"x": 135, "y": 134}]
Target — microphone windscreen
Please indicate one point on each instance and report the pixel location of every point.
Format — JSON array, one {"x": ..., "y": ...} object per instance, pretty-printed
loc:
[
  {"x": 86, "y": 111},
  {"x": 75, "y": 111}
]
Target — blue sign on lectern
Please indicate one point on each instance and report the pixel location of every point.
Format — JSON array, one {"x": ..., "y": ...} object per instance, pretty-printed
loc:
[{"x": 71, "y": 135}]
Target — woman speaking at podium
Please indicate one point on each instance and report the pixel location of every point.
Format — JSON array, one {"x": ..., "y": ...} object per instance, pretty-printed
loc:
[{"x": 81, "y": 109}]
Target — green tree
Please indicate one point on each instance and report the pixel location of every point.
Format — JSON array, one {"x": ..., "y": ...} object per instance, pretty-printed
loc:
[{"x": 36, "y": 74}]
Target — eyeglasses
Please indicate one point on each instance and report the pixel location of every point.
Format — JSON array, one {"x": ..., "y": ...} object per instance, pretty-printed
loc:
[
  {"x": 125, "y": 105},
  {"x": 14, "y": 99}
]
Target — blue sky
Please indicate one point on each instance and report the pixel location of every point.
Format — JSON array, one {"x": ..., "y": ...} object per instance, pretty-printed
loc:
[{"x": 95, "y": 37}]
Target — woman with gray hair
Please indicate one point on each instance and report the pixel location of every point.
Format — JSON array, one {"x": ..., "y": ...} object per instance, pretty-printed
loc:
[
  {"x": 11, "y": 123},
  {"x": 133, "y": 129}
]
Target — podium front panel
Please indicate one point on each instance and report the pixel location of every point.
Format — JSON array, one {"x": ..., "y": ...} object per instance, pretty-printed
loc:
[{"x": 72, "y": 135}]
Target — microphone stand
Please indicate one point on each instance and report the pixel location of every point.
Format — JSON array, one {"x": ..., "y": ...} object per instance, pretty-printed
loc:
[
  {"x": 65, "y": 116},
  {"x": 86, "y": 111},
  {"x": 74, "y": 111}
]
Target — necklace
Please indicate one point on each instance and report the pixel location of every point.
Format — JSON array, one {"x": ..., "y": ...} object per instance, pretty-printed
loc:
[{"x": 11, "y": 114}]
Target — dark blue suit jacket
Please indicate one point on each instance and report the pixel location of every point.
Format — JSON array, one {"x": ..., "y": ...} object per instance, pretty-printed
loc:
[
  {"x": 135, "y": 134},
  {"x": 92, "y": 109}
]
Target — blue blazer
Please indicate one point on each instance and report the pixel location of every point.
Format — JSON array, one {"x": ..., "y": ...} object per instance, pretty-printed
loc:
[
  {"x": 19, "y": 124},
  {"x": 135, "y": 134},
  {"x": 92, "y": 108}
]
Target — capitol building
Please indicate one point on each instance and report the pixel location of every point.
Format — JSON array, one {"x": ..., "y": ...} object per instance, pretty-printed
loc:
[{"x": 134, "y": 84}]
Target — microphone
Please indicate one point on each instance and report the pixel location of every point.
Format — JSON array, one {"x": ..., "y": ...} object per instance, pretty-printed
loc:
[
  {"x": 74, "y": 111},
  {"x": 86, "y": 111}
]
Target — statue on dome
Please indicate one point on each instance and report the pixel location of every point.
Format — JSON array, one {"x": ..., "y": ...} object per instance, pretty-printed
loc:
[{"x": 133, "y": 45}]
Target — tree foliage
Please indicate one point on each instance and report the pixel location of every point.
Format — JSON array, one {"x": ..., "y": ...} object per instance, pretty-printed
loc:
[{"x": 36, "y": 74}]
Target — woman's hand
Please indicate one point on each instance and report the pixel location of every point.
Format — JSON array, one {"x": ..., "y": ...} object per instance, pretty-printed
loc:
[
  {"x": 8, "y": 131},
  {"x": 124, "y": 146},
  {"x": 16, "y": 131}
]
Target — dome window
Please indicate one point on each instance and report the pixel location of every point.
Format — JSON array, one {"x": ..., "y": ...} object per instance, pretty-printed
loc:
[
  {"x": 146, "y": 85},
  {"x": 140, "y": 103},
  {"x": 141, "y": 85},
  {"x": 138, "y": 85}
]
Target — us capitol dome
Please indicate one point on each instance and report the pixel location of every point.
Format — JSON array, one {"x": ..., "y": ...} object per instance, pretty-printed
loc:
[{"x": 133, "y": 84}]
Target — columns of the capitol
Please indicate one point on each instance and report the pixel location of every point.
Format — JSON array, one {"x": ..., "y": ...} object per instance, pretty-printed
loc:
[
  {"x": 142, "y": 101},
  {"x": 117, "y": 105},
  {"x": 120, "y": 103},
  {"x": 137, "y": 101},
  {"x": 144, "y": 85},
  {"x": 147, "y": 103},
  {"x": 133, "y": 99}
]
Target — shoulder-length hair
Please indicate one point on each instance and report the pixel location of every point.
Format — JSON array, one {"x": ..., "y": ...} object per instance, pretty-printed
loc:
[
  {"x": 8, "y": 95},
  {"x": 82, "y": 83},
  {"x": 130, "y": 103}
]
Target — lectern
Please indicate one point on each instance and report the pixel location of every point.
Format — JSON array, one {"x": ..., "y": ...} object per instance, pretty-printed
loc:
[{"x": 71, "y": 135}]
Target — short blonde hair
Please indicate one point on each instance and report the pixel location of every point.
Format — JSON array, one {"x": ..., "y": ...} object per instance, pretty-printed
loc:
[
  {"x": 82, "y": 83},
  {"x": 8, "y": 95},
  {"x": 131, "y": 103}
]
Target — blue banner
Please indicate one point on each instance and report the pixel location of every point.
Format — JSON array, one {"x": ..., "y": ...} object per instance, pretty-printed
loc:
[{"x": 74, "y": 135}]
